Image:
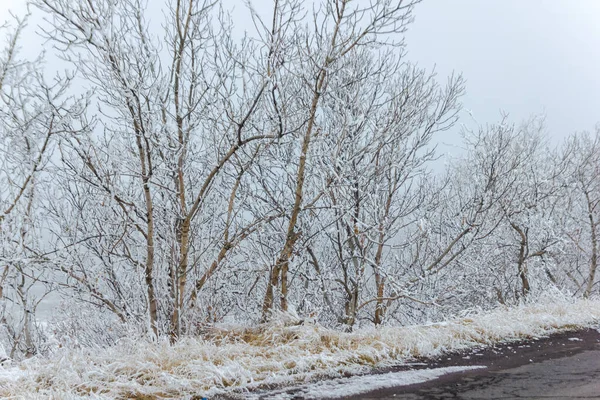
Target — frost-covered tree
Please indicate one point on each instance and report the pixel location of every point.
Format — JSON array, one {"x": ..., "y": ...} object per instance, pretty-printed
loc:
[
  {"x": 180, "y": 117},
  {"x": 497, "y": 202},
  {"x": 380, "y": 163},
  {"x": 34, "y": 111},
  {"x": 526, "y": 179},
  {"x": 338, "y": 30},
  {"x": 581, "y": 154}
]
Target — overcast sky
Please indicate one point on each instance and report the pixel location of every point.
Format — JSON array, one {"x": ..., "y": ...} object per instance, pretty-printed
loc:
[{"x": 520, "y": 56}]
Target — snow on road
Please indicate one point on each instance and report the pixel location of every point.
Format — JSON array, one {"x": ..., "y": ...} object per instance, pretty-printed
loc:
[{"x": 356, "y": 385}]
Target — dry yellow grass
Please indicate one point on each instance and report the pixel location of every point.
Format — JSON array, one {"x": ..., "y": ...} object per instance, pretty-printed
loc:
[{"x": 279, "y": 353}]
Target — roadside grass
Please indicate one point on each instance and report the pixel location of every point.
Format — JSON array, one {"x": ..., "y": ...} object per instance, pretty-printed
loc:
[{"x": 286, "y": 351}]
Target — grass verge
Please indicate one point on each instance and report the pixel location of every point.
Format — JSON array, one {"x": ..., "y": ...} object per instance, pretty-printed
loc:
[{"x": 284, "y": 352}]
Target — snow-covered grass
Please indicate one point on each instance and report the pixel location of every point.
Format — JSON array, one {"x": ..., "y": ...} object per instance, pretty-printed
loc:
[{"x": 284, "y": 352}]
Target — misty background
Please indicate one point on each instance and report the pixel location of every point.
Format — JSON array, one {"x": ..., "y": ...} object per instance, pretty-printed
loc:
[{"x": 518, "y": 57}]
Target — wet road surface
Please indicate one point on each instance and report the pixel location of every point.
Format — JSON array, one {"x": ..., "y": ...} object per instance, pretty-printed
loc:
[{"x": 564, "y": 366}]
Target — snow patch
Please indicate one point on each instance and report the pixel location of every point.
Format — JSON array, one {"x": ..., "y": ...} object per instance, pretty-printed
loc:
[
  {"x": 10, "y": 374},
  {"x": 357, "y": 385}
]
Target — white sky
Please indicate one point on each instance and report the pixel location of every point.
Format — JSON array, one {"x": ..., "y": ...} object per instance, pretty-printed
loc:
[{"x": 518, "y": 56}]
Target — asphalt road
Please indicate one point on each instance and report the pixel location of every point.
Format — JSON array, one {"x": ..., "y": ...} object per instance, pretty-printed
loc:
[{"x": 564, "y": 366}]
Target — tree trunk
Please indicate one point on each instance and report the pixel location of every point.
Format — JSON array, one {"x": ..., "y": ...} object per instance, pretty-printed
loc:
[
  {"x": 146, "y": 171},
  {"x": 379, "y": 306},
  {"x": 180, "y": 280},
  {"x": 522, "y": 260},
  {"x": 380, "y": 283},
  {"x": 282, "y": 264},
  {"x": 594, "y": 260}
]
